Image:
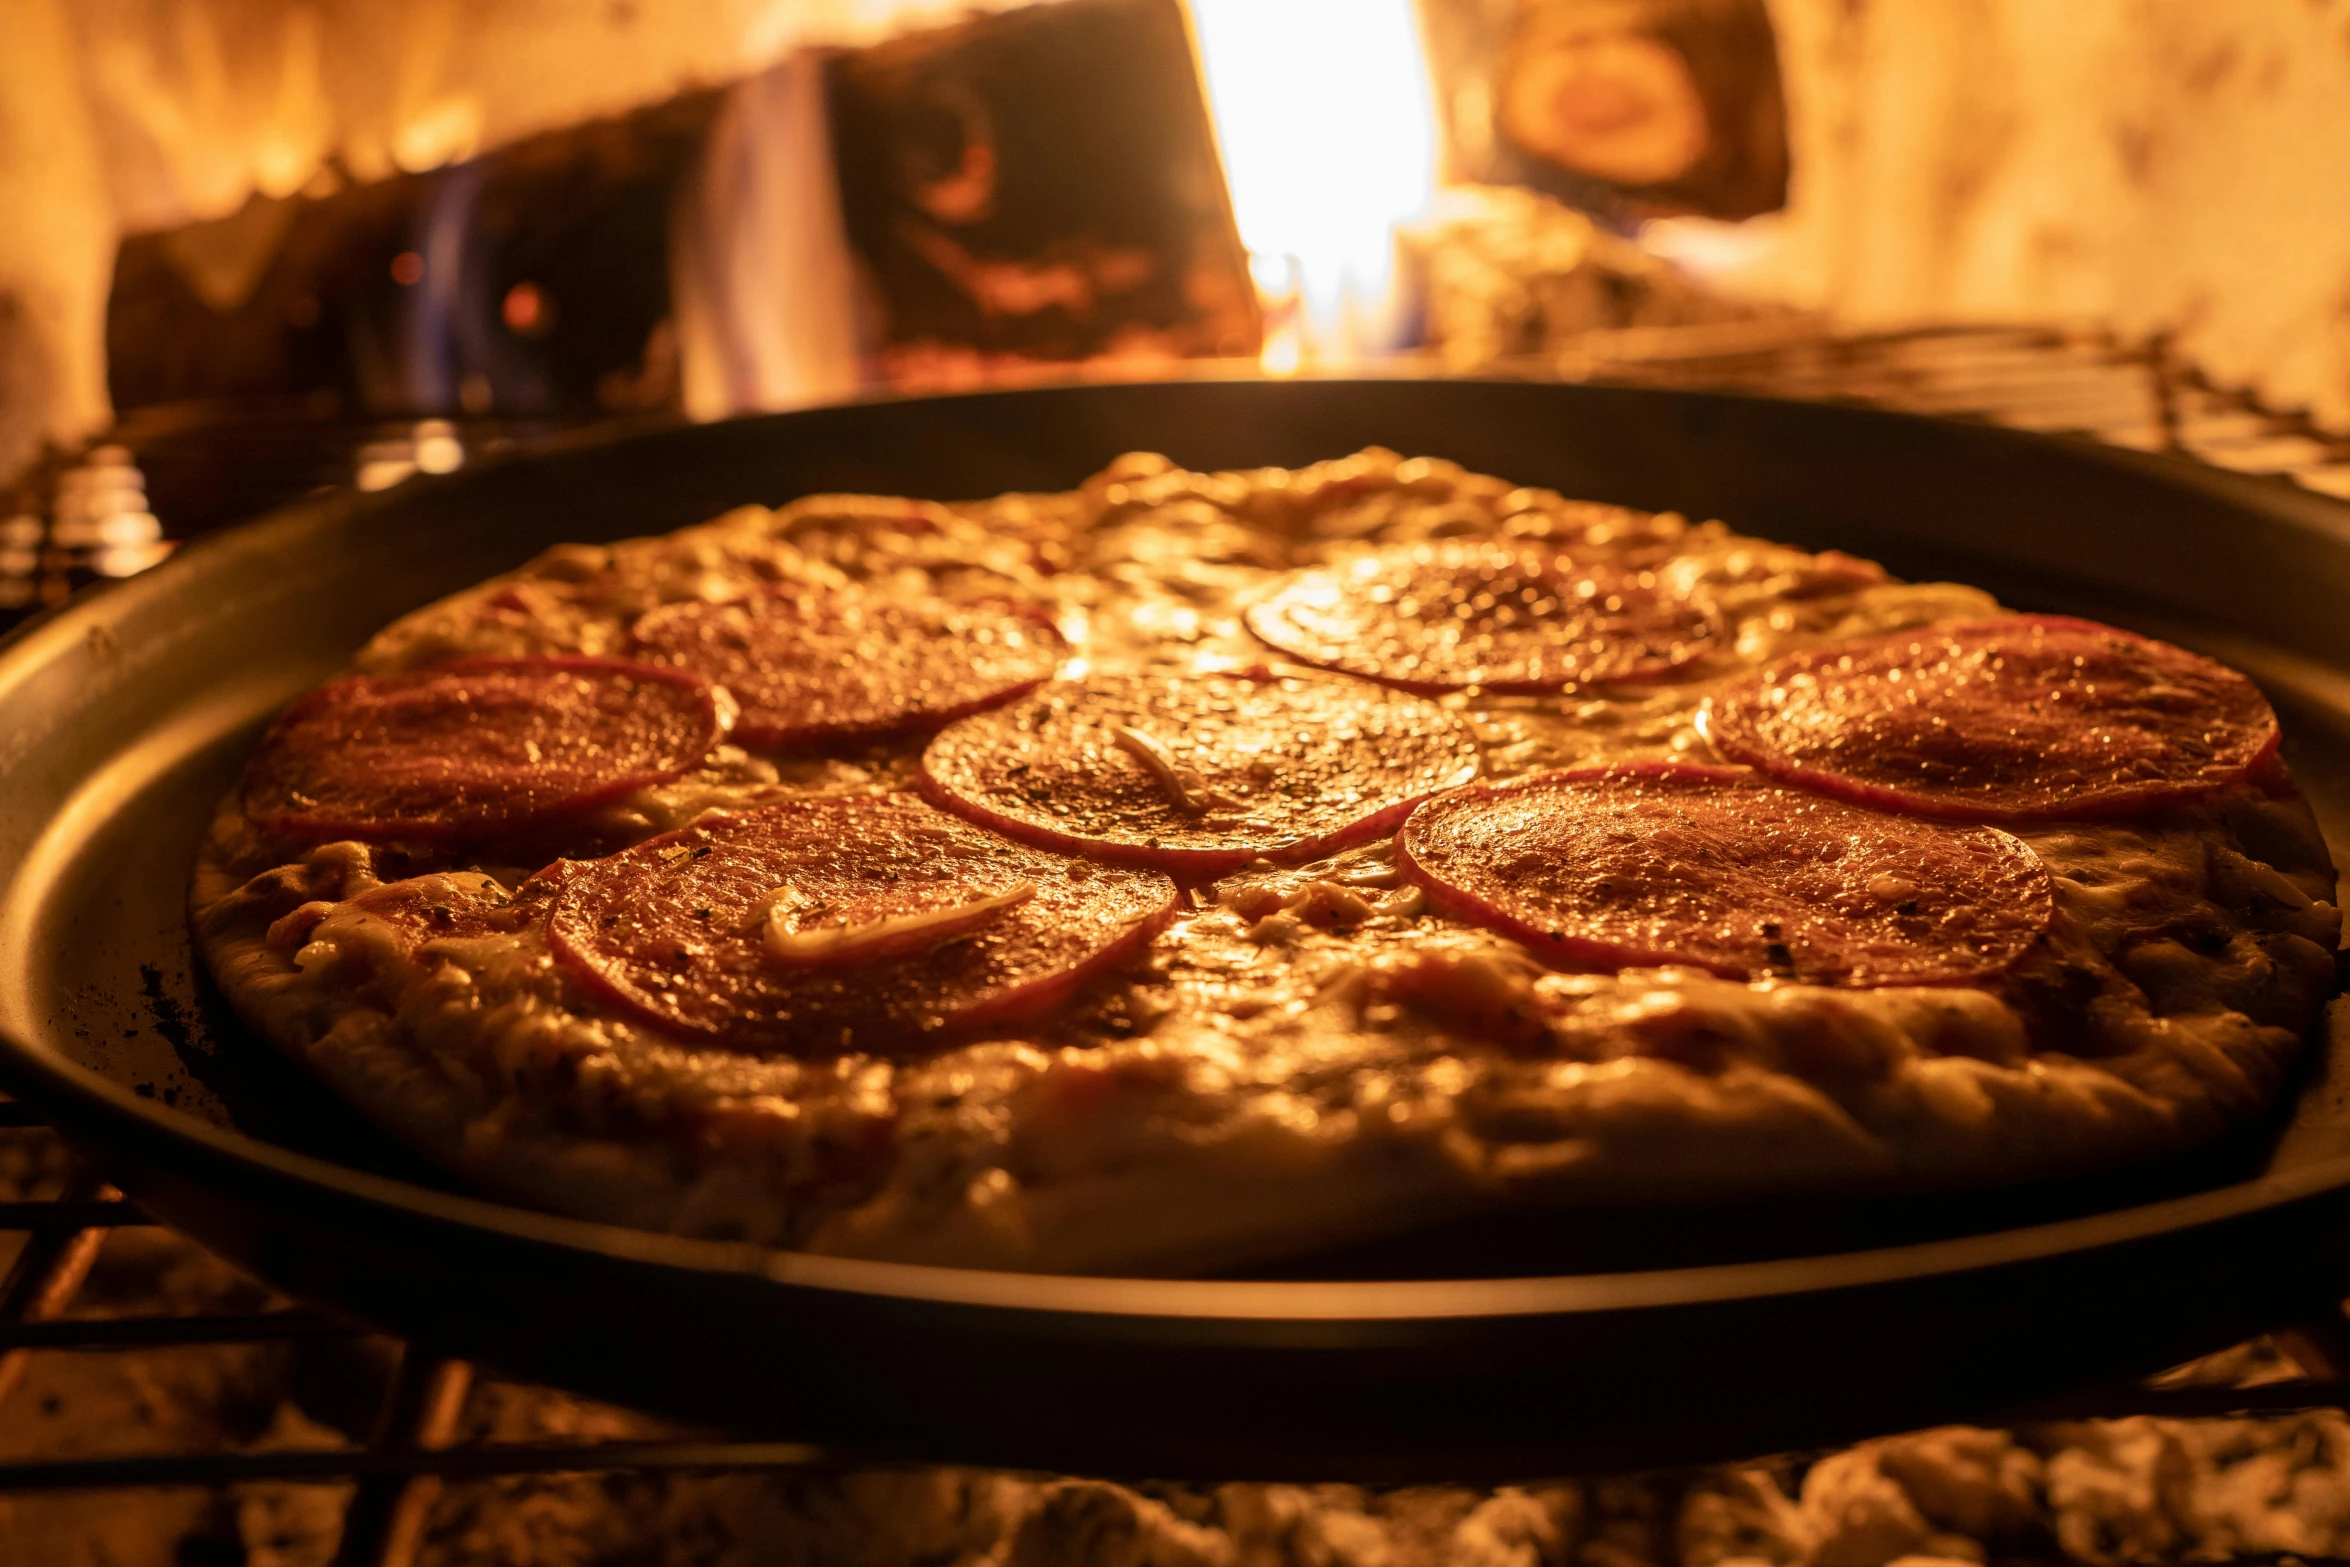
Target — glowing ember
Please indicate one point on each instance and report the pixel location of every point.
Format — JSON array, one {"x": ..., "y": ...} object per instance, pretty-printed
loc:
[{"x": 1325, "y": 122}]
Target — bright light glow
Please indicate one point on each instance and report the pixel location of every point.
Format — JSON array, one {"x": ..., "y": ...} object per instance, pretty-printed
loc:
[
  {"x": 1327, "y": 129},
  {"x": 437, "y": 448},
  {"x": 438, "y": 134},
  {"x": 381, "y": 473}
]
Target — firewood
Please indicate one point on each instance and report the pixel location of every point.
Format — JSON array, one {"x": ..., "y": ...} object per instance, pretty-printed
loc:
[
  {"x": 1039, "y": 185},
  {"x": 1629, "y": 108},
  {"x": 531, "y": 280}
]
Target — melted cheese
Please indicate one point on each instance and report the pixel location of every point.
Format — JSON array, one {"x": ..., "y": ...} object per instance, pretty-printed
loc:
[{"x": 797, "y": 934}]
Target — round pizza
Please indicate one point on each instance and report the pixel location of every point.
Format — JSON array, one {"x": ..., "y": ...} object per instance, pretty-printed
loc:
[{"x": 1197, "y": 869}]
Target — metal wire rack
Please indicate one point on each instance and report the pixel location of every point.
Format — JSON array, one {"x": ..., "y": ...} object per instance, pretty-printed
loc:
[
  {"x": 124, "y": 501},
  {"x": 2082, "y": 381},
  {"x": 412, "y": 1451},
  {"x": 399, "y": 1470},
  {"x": 2055, "y": 379}
]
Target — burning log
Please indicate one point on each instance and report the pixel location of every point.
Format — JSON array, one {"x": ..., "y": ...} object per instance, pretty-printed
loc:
[
  {"x": 1038, "y": 186},
  {"x": 1624, "y": 107},
  {"x": 533, "y": 280}
]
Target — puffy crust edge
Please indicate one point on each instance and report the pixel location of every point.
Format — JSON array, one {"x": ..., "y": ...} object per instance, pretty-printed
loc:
[{"x": 359, "y": 1050}]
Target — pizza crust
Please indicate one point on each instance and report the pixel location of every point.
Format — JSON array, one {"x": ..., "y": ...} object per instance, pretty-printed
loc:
[{"x": 1308, "y": 1057}]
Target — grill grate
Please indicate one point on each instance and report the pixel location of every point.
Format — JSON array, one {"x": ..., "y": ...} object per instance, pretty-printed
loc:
[
  {"x": 167, "y": 474},
  {"x": 164, "y": 475},
  {"x": 413, "y": 1452},
  {"x": 2053, "y": 379},
  {"x": 400, "y": 1470},
  {"x": 2059, "y": 380}
]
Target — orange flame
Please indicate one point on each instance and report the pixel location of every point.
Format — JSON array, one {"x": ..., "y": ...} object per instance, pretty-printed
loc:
[{"x": 1326, "y": 124}]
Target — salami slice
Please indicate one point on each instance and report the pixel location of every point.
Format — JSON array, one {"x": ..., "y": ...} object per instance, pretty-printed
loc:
[
  {"x": 476, "y": 747},
  {"x": 1519, "y": 619},
  {"x": 2017, "y": 719},
  {"x": 811, "y": 666},
  {"x": 1199, "y": 775},
  {"x": 824, "y": 926},
  {"x": 1723, "y": 870}
]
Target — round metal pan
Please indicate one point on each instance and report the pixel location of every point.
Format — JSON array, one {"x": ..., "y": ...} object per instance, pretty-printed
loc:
[{"x": 124, "y": 716}]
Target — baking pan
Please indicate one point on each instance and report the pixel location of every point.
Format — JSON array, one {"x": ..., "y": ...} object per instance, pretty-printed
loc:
[{"x": 125, "y": 715}]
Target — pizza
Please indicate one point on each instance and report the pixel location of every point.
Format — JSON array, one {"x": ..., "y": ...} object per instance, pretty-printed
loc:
[{"x": 1193, "y": 870}]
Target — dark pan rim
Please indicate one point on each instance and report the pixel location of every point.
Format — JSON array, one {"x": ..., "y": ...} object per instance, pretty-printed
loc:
[
  {"x": 91, "y": 1099},
  {"x": 84, "y": 1099}
]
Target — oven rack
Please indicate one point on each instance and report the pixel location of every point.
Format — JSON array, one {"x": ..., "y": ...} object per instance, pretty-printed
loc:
[
  {"x": 2054, "y": 378},
  {"x": 165, "y": 474},
  {"x": 399, "y": 1471},
  {"x": 413, "y": 1449}
]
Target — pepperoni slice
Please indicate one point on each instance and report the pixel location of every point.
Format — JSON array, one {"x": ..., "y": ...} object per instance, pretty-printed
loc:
[
  {"x": 720, "y": 931},
  {"x": 475, "y": 747},
  {"x": 1721, "y": 869},
  {"x": 2017, "y": 719},
  {"x": 819, "y": 665},
  {"x": 1513, "y": 619},
  {"x": 1199, "y": 775}
]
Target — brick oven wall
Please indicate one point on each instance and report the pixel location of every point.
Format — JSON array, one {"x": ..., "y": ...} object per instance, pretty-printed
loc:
[{"x": 2158, "y": 165}]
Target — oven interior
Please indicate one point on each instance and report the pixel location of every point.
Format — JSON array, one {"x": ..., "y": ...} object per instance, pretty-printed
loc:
[{"x": 265, "y": 250}]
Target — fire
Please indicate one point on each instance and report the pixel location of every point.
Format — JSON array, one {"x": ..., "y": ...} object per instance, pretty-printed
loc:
[{"x": 1325, "y": 121}]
